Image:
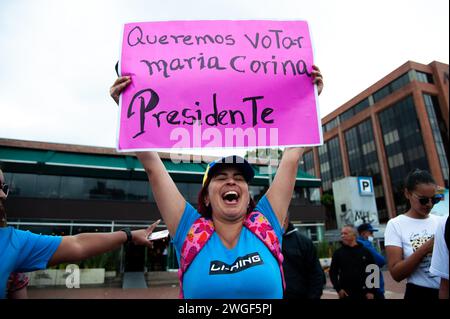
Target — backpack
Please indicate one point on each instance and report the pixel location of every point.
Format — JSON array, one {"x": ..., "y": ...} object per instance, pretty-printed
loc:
[{"x": 202, "y": 230}]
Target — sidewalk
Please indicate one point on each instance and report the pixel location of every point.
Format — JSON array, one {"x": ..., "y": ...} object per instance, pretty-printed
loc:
[
  {"x": 161, "y": 292},
  {"x": 394, "y": 290}
]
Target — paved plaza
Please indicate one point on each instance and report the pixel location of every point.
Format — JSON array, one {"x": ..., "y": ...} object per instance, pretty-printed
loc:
[{"x": 394, "y": 290}]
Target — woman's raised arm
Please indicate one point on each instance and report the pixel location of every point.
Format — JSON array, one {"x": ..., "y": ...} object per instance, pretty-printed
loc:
[
  {"x": 280, "y": 192},
  {"x": 282, "y": 188},
  {"x": 168, "y": 198}
]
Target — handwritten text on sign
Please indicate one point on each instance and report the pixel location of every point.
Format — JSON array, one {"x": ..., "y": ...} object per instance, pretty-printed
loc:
[{"x": 217, "y": 84}]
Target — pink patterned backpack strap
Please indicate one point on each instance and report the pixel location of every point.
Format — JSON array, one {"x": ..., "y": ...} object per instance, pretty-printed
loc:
[
  {"x": 258, "y": 224},
  {"x": 198, "y": 235}
]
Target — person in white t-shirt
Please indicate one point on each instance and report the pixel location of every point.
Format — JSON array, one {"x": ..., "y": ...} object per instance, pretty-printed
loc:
[
  {"x": 409, "y": 238},
  {"x": 439, "y": 262}
]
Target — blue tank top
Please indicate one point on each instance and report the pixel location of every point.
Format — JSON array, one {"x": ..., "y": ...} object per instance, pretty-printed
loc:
[{"x": 247, "y": 271}]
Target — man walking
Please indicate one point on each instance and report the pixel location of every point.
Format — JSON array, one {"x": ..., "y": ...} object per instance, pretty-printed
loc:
[{"x": 348, "y": 267}]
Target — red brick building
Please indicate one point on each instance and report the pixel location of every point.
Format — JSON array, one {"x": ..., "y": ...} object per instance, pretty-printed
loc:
[{"x": 397, "y": 124}]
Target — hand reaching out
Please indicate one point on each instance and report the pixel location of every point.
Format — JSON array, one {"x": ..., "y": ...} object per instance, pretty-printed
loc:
[{"x": 140, "y": 237}]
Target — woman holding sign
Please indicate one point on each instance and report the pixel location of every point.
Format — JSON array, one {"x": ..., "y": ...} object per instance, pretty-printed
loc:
[{"x": 229, "y": 247}]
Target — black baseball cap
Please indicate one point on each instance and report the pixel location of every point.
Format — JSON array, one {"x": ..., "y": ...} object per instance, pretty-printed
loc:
[{"x": 366, "y": 226}]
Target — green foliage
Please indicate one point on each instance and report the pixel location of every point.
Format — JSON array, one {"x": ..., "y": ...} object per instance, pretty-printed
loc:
[
  {"x": 326, "y": 249},
  {"x": 327, "y": 200},
  {"x": 62, "y": 266}
]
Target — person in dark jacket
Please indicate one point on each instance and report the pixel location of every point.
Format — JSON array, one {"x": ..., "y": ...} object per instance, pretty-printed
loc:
[
  {"x": 302, "y": 271},
  {"x": 348, "y": 267}
]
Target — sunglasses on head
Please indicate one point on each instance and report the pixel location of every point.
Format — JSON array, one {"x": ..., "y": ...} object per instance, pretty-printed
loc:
[
  {"x": 425, "y": 200},
  {"x": 4, "y": 188}
]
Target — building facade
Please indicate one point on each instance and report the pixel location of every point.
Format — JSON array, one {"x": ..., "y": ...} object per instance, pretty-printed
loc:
[
  {"x": 59, "y": 189},
  {"x": 398, "y": 124}
]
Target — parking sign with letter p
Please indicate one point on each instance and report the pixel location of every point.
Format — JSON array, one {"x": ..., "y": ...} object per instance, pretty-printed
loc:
[{"x": 365, "y": 186}]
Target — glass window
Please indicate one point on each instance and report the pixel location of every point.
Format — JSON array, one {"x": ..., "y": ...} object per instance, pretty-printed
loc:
[
  {"x": 403, "y": 144},
  {"x": 139, "y": 191},
  {"x": 335, "y": 158},
  {"x": 90, "y": 229},
  {"x": 346, "y": 115},
  {"x": 424, "y": 77},
  {"x": 382, "y": 93},
  {"x": 368, "y": 147},
  {"x": 193, "y": 191},
  {"x": 107, "y": 189},
  {"x": 298, "y": 197},
  {"x": 308, "y": 163},
  {"x": 391, "y": 137},
  {"x": 439, "y": 134},
  {"x": 361, "y": 105},
  {"x": 332, "y": 124},
  {"x": 399, "y": 82},
  {"x": 330, "y": 162},
  {"x": 256, "y": 192},
  {"x": 23, "y": 185},
  {"x": 72, "y": 188},
  {"x": 314, "y": 196},
  {"x": 47, "y": 230},
  {"x": 116, "y": 189},
  {"x": 363, "y": 160},
  {"x": 325, "y": 167},
  {"x": 391, "y": 87},
  {"x": 183, "y": 188},
  {"x": 48, "y": 186},
  {"x": 190, "y": 191},
  {"x": 8, "y": 177}
]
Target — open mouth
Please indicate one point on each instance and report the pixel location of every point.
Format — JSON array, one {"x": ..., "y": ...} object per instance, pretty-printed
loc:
[{"x": 231, "y": 197}]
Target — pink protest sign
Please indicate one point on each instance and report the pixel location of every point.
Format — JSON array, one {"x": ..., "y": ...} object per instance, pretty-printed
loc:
[{"x": 217, "y": 84}]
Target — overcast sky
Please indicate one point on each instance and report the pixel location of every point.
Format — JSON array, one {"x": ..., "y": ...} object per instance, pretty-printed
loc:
[{"x": 57, "y": 57}]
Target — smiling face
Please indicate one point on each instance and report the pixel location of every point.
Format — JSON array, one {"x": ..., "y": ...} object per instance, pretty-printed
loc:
[
  {"x": 228, "y": 194},
  {"x": 422, "y": 190}
]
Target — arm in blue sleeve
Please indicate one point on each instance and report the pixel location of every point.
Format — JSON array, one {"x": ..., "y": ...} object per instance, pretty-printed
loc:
[{"x": 379, "y": 258}]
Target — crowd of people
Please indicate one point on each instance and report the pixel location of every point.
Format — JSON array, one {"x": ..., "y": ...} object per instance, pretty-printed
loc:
[
  {"x": 409, "y": 239},
  {"x": 228, "y": 243}
]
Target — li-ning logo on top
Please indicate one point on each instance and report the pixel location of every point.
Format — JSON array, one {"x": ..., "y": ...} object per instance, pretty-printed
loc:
[{"x": 219, "y": 268}]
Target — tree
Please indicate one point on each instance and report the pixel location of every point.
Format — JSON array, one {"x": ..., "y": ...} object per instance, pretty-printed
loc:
[{"x": 327, "y": 200}]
